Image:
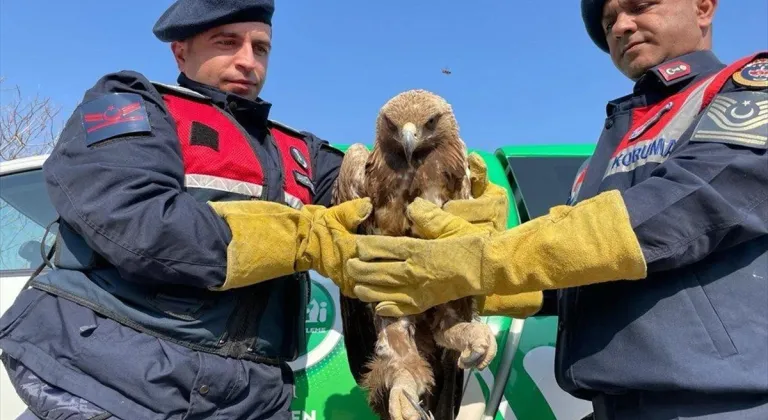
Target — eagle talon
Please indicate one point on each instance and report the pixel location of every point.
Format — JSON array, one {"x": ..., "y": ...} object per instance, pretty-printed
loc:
[
  {"x": 473, "y": 359},
  {"x": 423, "y": 414}
]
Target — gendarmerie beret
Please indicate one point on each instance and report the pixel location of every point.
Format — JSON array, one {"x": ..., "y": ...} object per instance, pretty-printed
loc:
[
  {"x": 186, "y": 18},
  {"x": 592, "y": 14}
]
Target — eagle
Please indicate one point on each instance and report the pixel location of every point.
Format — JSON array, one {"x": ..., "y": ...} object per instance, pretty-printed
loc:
[{"x": 411, "y": 367}]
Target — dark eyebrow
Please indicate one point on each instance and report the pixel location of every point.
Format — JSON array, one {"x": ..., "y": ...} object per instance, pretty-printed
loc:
[
  {"x": 225, "y": 35},
  {"x": 266, "y": 44}
]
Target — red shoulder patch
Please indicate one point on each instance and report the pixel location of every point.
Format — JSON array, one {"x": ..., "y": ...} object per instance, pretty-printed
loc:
[
  {"x": 674, "y": 70},
  {"x": 113, "y": 115}
]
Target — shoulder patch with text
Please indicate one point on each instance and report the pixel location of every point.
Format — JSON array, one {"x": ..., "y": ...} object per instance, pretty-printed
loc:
[
  {"x": 113, "y": 115},
  {"x": 739, "y": 118}
]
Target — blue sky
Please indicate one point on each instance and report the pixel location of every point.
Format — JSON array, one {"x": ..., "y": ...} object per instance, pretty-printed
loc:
[{"x": 523, "y": 71}]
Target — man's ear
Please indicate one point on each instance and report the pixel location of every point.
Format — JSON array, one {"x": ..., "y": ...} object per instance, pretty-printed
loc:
[
  {"x": 179, "y": 49},
  {"x": 705, "y": 11}
]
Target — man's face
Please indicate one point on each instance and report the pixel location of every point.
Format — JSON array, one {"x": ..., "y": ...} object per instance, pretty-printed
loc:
[
  {"x": 644, "y": 33},
  {"x": 230, "y": 57}
]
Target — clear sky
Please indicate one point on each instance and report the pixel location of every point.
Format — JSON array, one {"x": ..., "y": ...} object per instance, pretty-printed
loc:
[{"x": 523, "y": 71}]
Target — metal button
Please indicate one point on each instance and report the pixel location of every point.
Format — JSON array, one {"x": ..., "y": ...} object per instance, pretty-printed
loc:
[
  {"x": 608, "y": 124},
  {"x": 204, "y": 389}
]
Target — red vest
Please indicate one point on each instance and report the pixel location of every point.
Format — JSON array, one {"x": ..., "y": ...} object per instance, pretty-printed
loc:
[{"x": 218, "y": 154}]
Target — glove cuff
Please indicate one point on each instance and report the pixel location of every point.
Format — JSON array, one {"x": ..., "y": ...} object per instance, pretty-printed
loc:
[
  {"x": 519, "y": 306},
  {"x": 265, "y": 242},
  {"x": 591, "y": 242}
]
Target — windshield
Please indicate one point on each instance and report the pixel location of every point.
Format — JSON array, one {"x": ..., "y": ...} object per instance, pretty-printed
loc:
[
  {"x": 25, "y": 212},
  {"x": 543, "y": 182}
]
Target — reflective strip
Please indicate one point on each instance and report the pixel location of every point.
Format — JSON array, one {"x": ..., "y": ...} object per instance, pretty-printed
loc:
[
  {"x": 234, "y": 186},
  {"x": 223, "y": 184},
  {"x": 657, "y": 149},
  {"x": 182, "y": 90},
  {"x": 292, "y": 201}
]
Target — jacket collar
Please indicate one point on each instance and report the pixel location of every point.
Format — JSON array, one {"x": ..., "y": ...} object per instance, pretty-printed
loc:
[
  {"x": 667, "y": 79},
  {"x": 257, "y": 110},
  {"x": 674, "y": 73}
]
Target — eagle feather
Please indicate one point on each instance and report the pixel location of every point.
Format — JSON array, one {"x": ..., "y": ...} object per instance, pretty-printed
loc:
[{"x": 417, "y": 152}]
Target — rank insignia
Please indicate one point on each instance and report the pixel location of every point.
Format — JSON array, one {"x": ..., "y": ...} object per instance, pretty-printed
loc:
[
  {"x": 304, "y": 180},
  {"x": 754, "y": 74},
  {"x": 674, "y": 71},
  {"x": 298, "y": 157},
  {"x": 736, "y": 118},
  {"x": 114, "y": 115}
]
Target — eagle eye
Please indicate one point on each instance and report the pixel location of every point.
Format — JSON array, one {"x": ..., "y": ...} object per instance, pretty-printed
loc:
[
  {"x": 432, "y": 123},
  {"x": 390, "y": 125}
]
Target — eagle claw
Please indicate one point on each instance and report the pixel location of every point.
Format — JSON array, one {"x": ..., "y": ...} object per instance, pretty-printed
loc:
[{"x": 423, "y": 414}]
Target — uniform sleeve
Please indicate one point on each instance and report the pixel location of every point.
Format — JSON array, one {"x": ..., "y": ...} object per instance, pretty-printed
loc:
[
  {"x": 326, "y": 162},
  {"x": 712, "y": 192},
  {"x": 116, "y": 176}
]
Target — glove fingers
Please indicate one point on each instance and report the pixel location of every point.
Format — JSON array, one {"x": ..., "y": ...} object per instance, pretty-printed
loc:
[
  {"x": 392, "y": 309},
  {"x": 351, "y": 213},
  {"x": 463, "y": 209},
  {"x": 375, "y": 294},
  {"x": 378, "y": 273},
  {"x": 431, "y": 222},
  {"x": 370, "y": 248},
  {"x": 478, "y": 174}
]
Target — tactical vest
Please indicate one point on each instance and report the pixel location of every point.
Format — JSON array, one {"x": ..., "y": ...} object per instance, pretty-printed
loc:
[{"x": 263, "y": 322}]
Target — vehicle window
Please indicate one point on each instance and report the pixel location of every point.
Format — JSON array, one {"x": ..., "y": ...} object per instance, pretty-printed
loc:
[
  {"x": 543, "y": 182},
  {"x": 25, "y": 212}
]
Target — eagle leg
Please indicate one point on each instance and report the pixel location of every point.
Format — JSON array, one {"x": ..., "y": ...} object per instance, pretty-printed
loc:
[
  {"x": 396, "y": 370},
  {"x": 458, "y": 330}
]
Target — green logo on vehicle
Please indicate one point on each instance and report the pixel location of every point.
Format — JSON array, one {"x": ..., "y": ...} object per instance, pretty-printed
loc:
[
  {"x": 321, "y": 313},
  {"x": 323, "y": 324}
]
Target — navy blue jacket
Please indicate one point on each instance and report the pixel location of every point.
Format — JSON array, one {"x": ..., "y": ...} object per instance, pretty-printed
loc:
[
  {"x": 127, "y": 195},
  {"x": 126, "y": 321},
  {"x": 695, "y": 184}
]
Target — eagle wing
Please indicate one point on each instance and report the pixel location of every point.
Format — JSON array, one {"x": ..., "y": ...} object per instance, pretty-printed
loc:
[
  {"x": 357, "y": 319},
  {"x": 350, "y": 183}
]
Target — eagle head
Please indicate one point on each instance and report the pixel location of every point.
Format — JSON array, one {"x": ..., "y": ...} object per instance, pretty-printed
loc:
[{"x": 414, "y": 122}]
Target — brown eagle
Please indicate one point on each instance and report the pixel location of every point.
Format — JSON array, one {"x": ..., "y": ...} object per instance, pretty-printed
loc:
[{"x": 417, "y": 152}]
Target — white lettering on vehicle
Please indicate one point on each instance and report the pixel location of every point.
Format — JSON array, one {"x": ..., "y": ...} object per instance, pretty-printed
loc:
[{"x": 304, "y": 415}]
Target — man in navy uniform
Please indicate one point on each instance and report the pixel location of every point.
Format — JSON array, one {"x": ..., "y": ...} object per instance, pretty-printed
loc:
[
  {"x": 661, "y": 258},
  {"x": 188, "y": 222}
]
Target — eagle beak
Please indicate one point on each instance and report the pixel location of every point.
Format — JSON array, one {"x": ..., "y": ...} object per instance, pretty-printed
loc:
[{"x": 408, "y": 135}]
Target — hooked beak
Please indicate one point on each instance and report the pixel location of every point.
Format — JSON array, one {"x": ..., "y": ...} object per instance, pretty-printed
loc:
[{"x": 408, "y": 135}]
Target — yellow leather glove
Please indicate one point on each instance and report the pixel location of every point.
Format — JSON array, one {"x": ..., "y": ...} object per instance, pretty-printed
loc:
[
  {"x": 489, "y": 210},
  {"x": 489, "y": 207},
  {"x": 588, "y": 243},
  {"x": 271, "y": 240}
]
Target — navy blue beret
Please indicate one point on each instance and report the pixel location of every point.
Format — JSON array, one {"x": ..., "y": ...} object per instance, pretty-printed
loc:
[
  {"x": 592, "y": 14},
  {"x": 186, "y": 18}
]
